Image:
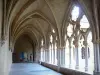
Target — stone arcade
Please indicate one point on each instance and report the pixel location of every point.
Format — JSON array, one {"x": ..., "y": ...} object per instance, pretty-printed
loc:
[{"x": 59, "y": 34}]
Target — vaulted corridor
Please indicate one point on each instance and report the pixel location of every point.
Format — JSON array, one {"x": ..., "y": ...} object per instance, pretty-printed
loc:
[
  {"x": 31, "y": 69},
  {"x": 39, "y": 36}
]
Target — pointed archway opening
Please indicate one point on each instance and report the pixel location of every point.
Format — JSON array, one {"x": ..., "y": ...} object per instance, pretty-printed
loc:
[{"x": 24, "y": 50}]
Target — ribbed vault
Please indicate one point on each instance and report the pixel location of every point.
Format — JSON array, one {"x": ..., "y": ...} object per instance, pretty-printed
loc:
[
  {"x": 39, "y": 17},
  {"x": 28, "y": 17}
]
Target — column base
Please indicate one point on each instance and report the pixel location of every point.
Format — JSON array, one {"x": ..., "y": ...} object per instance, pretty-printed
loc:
[{"x": 96, "y": 73}]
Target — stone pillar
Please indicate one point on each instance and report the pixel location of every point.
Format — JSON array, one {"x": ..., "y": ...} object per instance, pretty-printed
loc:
[
  {"x": 50, "y": 53},
  {"x": 45, "y": 55},
  {"x": 86, "y": 55},
  {"x": 96, "y": 58},
  {"x": 97, "y": 43},
  {"x": 64, "y": 56},
  {"x": 54, "y": 53},
  {"x": 58, "y": 58},
  {"x": 77, "y": 56},
  {"x": 70, "y": 55},
  {"x": 76, "y": 53},
  {"x": 41, "y": 54},
  {"x": 61, "y": 56}
]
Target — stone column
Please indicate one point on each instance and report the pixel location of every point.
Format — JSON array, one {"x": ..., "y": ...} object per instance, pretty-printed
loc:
[
  {"x": 54, "y": 53},
  {"x": 86, "y": 55},
  {"x": 58, "y": 58},
  {"x": 97, "y": 43},
  {"x": 77, "y": 55},
  {"x": 41, "y": 54},
  {"x": 64, "y": 56},
  {"x": 45, "y": 55},
  {"x": 70, "y": 54},
  {"x": 77, "y": 58},
  {"x": 97, "y": 58},
  {"x": 50, "y": 53},
  {"x": 61, "y": 56}
]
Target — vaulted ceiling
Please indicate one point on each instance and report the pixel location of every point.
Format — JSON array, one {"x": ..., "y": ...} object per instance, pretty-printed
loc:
[{"x": 37, "y": 17}]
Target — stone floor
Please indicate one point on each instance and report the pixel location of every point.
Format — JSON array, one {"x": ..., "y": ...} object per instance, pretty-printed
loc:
[{"x": 31, "y": 69}]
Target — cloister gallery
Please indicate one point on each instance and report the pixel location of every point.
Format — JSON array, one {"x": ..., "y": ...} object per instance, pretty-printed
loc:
[{"x": 61, "y": 35}]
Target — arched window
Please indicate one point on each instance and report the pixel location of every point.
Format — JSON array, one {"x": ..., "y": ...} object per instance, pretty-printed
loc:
[
  {"x": 84, "y": 24},
  {"x": 77, "y": 30}
]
